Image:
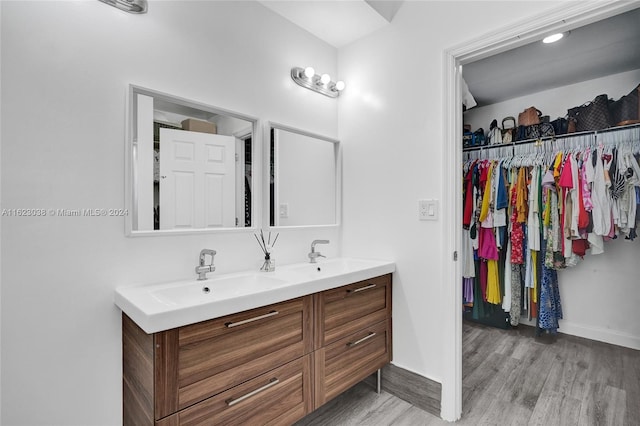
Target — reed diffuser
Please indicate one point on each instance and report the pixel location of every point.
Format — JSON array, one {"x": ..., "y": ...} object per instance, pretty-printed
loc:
[{"x": 269, "y": 264}]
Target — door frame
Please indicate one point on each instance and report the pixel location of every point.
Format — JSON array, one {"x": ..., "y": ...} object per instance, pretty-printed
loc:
[
  {"x": 567, "y": 16},
  {"x": 241, "y": 137}
]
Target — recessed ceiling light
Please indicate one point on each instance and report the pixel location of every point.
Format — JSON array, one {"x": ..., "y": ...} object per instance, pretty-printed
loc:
[{"x": 553, "y": 38}]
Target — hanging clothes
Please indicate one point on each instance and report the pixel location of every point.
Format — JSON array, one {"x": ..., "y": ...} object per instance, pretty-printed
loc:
[
  {"x": 550, "y": 306},
  {"x": 516, "y": 294},
  {"x": 528, "y": 215},
  {"x": 493, "y": 283},
  {"x": 506, "y": 300},
  {"x": 517, "y": 233},
  {"x": 468, "y": 198},
  {"x": 599, "y": 196},
  {"x": 533, "y": 218}
]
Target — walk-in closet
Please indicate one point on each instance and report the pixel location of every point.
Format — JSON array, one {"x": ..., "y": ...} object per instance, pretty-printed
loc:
[
  {"x": 551, "y": 211},
  {"x": 595, "y": 269}
]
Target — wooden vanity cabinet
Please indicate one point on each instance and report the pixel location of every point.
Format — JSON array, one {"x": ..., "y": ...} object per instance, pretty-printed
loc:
[
  {"x": 280, "y": 397},
  {"x": 267, "y": 366},
  {"x": 353, "y": 335},
  {"x": 169, "y": 371},
  {"x": 342, "y": 311}
]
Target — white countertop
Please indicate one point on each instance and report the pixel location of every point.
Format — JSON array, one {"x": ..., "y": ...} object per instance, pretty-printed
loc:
[{"x": 163, "y": 306}]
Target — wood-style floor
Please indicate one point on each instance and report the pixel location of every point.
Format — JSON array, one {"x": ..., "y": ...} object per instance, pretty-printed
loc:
[{"x": 510, "y": 378}]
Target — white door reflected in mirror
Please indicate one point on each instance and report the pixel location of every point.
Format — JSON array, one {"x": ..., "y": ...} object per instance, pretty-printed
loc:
[{"x": 197, "y": 180}]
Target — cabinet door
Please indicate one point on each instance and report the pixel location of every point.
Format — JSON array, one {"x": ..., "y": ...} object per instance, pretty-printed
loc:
[
  {"x": 279, "y": 397},
  {"x": 204, "y": 359},
  {"x": 343, "y": 311},
  {"x": 348, "y": 361}
]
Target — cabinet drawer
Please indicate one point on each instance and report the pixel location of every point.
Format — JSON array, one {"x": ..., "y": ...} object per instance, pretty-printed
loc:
[
  {"x": 343, "y": 311},
  {"x": 350, "y": 360},
  {"x": 279, "y": 397},
  {"x": 215, "y": 355}
]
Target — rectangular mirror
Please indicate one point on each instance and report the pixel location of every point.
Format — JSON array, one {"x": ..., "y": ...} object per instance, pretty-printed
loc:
[
  {"x": 191, "y": 166},
  {"x": 304, "y": 179}
]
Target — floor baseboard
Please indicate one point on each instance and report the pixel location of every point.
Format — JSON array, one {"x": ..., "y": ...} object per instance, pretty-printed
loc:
[{"x": 411, "y": 387}]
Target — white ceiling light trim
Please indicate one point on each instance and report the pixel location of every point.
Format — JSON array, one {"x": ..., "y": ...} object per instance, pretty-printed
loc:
[
  {"x": 552, "y": 38},
  {"x": 131, "y": 6}
]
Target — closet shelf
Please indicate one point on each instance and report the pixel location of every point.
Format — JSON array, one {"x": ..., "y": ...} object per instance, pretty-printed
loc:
[{"x": 550, "y": 138}]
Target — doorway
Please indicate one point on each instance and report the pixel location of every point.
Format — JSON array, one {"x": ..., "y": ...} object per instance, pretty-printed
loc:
[{"x": 564, "y": 18}]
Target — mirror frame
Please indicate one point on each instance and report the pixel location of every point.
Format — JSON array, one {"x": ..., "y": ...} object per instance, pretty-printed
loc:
[
  {"x": 266, "y": 177},
  {"x": 131, "y": 191}
]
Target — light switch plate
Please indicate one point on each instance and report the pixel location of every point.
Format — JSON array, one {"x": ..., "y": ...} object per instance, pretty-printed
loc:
[
  {"x": 284, "y": 210},
  {"x": 428, "y": 209}
]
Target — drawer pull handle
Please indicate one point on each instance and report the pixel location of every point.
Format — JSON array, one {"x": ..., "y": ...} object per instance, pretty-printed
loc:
[
  {"x": 235, "y": 324},
  {"x": 357, "y": 342},
  {"x": 231, "y": 402},
  {"x": 361, "y": 288}
]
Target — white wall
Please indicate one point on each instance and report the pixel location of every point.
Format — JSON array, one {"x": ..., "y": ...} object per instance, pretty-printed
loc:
[
  {"x": 391, "y": 129},
  {"x": 65, "y": 71},
  {"x": 599, "y": 297}
]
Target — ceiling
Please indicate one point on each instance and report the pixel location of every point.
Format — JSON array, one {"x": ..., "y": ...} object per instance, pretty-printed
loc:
[
  {"x": 338, "y": 22},
  {"x": 603, "y": 48}
]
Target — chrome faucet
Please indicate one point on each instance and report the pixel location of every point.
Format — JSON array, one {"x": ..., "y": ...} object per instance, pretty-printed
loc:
[
  {"x": 202, "y": 267},
  {"x": 316, "y": 254}
]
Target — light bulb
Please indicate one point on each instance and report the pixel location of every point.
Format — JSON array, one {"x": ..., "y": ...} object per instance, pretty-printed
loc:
[
  {"x": 326, "y": 78},
  {"x": 309, "y": 72},
  {"x": 339, "y": 85},
  {"x": 553, "y": 38}
]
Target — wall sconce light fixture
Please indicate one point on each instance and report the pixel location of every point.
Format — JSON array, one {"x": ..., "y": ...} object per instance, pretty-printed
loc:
[
  {"x": 308, "y": 78},
  {"x": 131, "y": 6}
]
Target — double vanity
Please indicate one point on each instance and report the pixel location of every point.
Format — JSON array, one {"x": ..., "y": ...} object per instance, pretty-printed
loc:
[
  {"x": 253, "y": 347},
  {"x": 258, "y": 347}
]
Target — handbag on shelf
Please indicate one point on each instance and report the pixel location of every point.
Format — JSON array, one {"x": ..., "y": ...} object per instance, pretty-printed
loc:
[
  {"x": 626, "y": 110},
  {"x": 478, "y": 138},
  {"x": 526, "y": 133},
  {"x": 593, "y": 115},
  {"x": 547, "y": 130},
  {"x": 495, "y": 134},
  {"x": 529, "y": 117},
  {"x": 467, "y": 139},
  {"x": 535, "y": 131},
  {"x": 560, "y": 126},
  {"x": 532, "y": 132},
  {"x": 509, "y": 133}
]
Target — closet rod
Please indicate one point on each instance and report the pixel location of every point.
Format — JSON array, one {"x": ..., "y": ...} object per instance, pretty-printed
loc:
[{"x": 547, "y": 138}]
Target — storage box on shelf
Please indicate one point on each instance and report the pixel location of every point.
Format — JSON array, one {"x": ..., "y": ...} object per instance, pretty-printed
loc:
[{"x": 198, "y": 126}]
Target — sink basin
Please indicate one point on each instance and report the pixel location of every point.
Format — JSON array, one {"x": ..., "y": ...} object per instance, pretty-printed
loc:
[
  {"x": 163, "y": 306},
  {"x": 327, "y": 267},
  {"x": 217, "y": 288}
]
